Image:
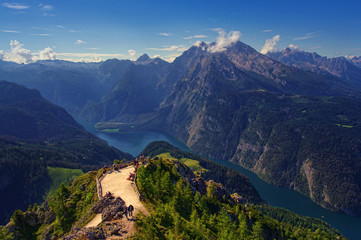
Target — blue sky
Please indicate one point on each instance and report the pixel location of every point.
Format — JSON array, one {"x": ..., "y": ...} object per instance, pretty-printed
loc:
[{"x": 101, "y": 29}]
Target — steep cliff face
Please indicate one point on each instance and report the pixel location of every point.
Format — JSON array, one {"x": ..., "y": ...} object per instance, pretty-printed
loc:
[
  {"x": 305, "y": 143},
  {"x": 228, "y": 108}
]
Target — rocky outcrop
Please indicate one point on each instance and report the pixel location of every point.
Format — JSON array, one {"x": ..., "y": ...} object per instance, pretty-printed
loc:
[
  {"x": 217, "y": 190},
  {"x": 87, "y": 234},
  {"x": 106, "y": 230},
  {"x": 114, "y": 210},
  {"x": 111, "y": 210},
  {"x": 196, "y": 183}
]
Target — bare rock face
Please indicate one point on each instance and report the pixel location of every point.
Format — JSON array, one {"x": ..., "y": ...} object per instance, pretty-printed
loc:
[
  {"x": 104, "y": 203},
  {"x": 87, "y": 234},
  {"x": 197, "y": 183},
  {"x": 219, "y": 191},
  {"x": 114, "y": 210},
  {"x": 238, "y": 198},
  {"x": 111, "y": 209}
]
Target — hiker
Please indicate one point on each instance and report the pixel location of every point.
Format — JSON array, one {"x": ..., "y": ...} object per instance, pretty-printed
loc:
[
  {"x": 125, "y": 210},
  {"x": 136, "y": 166},
  {"x": 130, "y": 210}
]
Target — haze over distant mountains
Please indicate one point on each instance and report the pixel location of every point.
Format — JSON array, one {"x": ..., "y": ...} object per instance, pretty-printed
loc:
[
  {"x": 34, "y": 134},
  {"x": 292, "y": 117},
  {"x": 348, "y": 69}
]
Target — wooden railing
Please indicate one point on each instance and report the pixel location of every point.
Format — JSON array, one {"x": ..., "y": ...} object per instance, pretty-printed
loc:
[
  {"x": 141, "y": 198},
  {"x": 99, "y": 189}
]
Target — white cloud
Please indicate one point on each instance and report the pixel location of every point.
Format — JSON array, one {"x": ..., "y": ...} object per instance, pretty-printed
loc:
[
  {"x": 197, "y": 44},
  {"x": 10, "y": 31},
  {"x": 132, "y": 54},
  {"x": 2, "y": 55},
  {"x": 46, "y": 54},
  {"x": 60, "y": 26},
  {"x": 41, "y": 34},
  {"x": 267, "y": 30},
  {"x": 16, "y": 6},
  {"x": 292, "y": 46},
  {"x": 156, "y": 56},
  {"x": 195, "y": 36},
  {"x": 74, "y": 31},
  {"x": 223, "y": 41},
  {"x": 204, "y": 45},
  {"x": 92, "y": 48},
  {"x": 307, "y": 36},
  {"x": 270, "y": 44},
  {"x": 165, "y": 34},
  {"x": 179, "y": 48},
  {"x": 44, "y": 7},
  {"x": 89, "y": 57},
  {"x": 19, "y": 54},
  {"x": 80, "y": 42}
]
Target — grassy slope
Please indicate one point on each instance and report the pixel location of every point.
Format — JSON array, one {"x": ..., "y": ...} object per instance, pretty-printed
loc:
[
  {"x": 191, "y": 163},
  {"x": 60, "y": 175}
]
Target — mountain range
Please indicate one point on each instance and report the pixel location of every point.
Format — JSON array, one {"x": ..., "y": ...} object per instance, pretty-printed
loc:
[
  {"x": 292, "y": 117},
  {"x": 345, "y": 69},
  {"x": 35, "y": 134}
]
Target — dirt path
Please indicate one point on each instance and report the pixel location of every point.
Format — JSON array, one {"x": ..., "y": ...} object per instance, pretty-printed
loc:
[{"x": 117, "y": 183}]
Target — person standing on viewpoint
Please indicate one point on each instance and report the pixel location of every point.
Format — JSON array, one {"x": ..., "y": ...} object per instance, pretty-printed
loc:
[{"x": 130, "y": 210}]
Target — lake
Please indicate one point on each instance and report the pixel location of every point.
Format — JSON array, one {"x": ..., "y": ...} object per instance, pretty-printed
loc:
[{"x": 135, "y": 142}]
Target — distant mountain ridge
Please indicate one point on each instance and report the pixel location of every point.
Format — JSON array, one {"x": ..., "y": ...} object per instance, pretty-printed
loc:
[
  {"x": 35, "y": 134},
  {"x": 355, "y": 60},
  {"x": 339, "y": 67}
]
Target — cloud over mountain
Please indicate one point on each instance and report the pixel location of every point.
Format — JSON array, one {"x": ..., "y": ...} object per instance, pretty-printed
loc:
[
  {"x": 270, "y": 44},
  {"x": 224, "y": 40},
  {"x": 19, "y": 54}
]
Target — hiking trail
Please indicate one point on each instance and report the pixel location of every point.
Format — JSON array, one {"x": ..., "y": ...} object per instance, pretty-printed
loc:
[{"x": 116, "y": 182}]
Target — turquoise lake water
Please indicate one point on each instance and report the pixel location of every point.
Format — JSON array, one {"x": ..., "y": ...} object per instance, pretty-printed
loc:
[{"x": 349, "y": 226}]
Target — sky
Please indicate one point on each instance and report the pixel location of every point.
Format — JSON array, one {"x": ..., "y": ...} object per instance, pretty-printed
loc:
[{"x": 96, "y": 30}]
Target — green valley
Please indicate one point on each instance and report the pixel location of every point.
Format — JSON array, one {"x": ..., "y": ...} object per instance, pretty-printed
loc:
[{"x": 60, "y": 175}]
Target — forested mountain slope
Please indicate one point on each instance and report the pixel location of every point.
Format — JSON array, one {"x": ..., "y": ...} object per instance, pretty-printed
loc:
[{"x": 35, "y": 134}]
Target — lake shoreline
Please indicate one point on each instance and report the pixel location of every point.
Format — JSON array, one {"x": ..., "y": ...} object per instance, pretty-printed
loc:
[{"x": 134, "y": 142}]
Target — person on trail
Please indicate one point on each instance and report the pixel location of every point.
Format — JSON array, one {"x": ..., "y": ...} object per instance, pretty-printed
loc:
[
  {"x": 130, "y": 210},
  {"x": 125, "y": 210}
]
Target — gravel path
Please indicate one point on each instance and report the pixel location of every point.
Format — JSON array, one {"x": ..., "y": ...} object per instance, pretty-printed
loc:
[{"x": 117, "y": 183}]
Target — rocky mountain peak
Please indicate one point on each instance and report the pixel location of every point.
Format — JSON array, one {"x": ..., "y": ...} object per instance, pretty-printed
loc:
[{"x": 143, "y": 58}]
